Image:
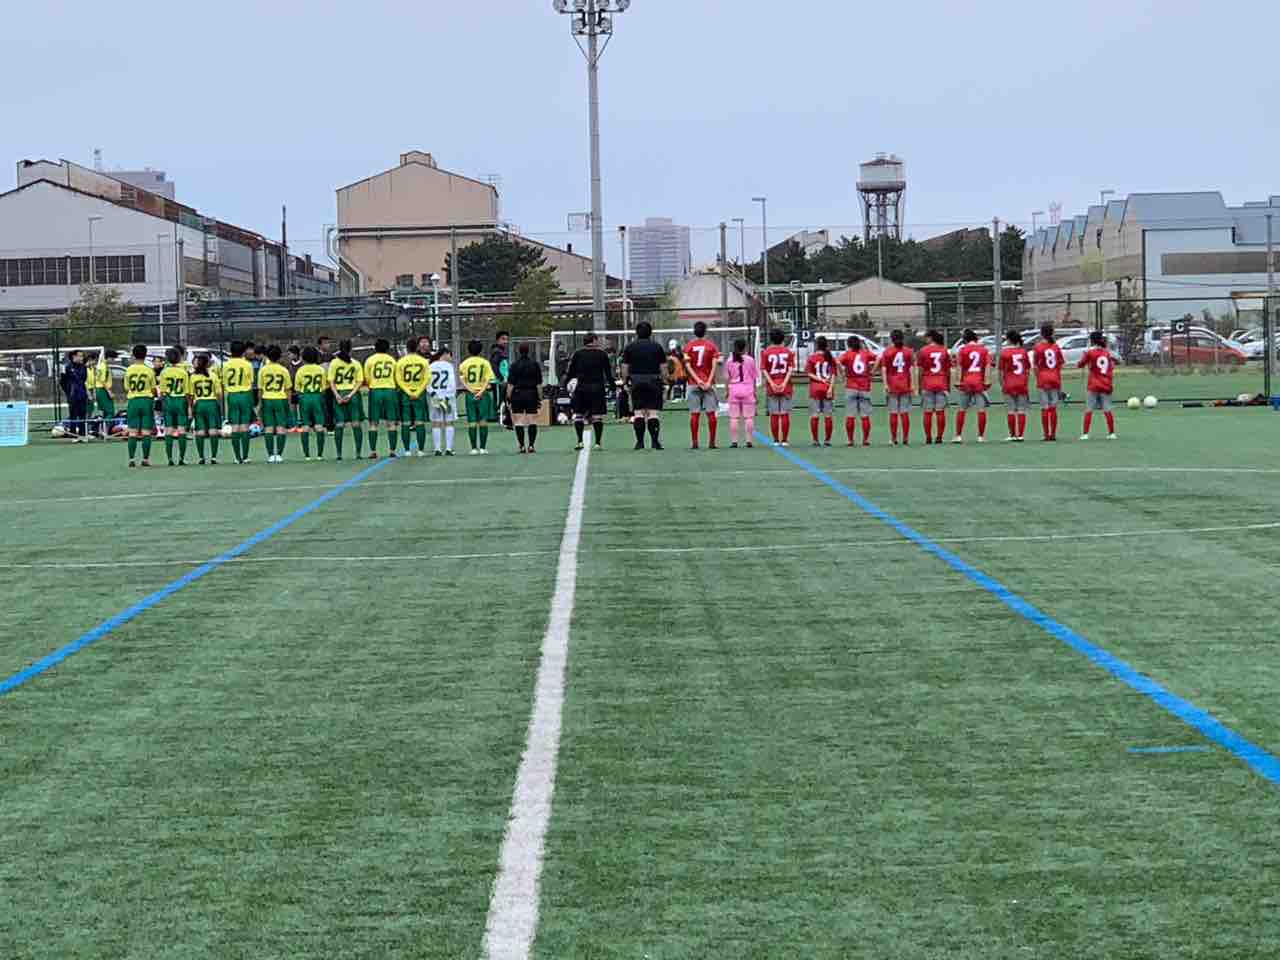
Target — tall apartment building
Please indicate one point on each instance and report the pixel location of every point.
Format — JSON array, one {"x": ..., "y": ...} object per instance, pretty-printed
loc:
[{"x": 659, "y": 255}]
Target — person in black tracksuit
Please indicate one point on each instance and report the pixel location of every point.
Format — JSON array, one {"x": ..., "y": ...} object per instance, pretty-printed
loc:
[
  {"x": 593, "y": 372},
  {"x": 524, "y": 380},
  {"x": 74, "y": 385},
  {"x": 643, "y": 365}
]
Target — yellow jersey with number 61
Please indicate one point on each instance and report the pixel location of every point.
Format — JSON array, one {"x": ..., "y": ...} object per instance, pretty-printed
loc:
[
  {"x": 274, "y": 382},
  {"x": 139, "y": 381},
  {"x": 237, "y": 375},
  {"x": 311, "y": 378},
  {"x": 476, "y": 374},
  {"x": 380, "y": 372},
  {"x": 411, "y": 374},
  {"x": 345, "y": 375}
]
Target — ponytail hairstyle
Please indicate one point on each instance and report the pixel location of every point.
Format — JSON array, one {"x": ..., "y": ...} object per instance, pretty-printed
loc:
[
  {"x": 201, "y": 363},
  {"x": 1014, "y": 337},
  {"x": 344, "y": 350},
  {"x": 739, "y": 348},
  {"x": 896, "y": 338},
  {"x": 821, "y": 345},
  {"x": 854, "y": 344}
]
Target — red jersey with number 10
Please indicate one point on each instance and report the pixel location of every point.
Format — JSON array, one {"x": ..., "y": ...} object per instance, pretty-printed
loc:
[
  {"x": 700, "y": 357},
  {"x": 974, "y": 360},
  {"x": 1101, "y": 365},
  {"x": 1015, "y": 365},
  {"x": 1049, "y": 361},
  {"x": 776, "y": 362},
  {"x": 897, "y": 369},
  {"x": 822, "y": 374},
  {"x": 857, "y": 365},
  {"x": 935, "y": 367}
]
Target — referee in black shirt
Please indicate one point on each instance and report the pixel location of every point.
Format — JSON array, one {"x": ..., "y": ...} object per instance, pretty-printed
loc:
[
  {"x": 643, "y": 364},
  {"x": 589, "y": 377}
]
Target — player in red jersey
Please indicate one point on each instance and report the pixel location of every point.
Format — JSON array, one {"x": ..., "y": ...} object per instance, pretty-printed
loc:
[
  {"x": 973, "y": 360},
  {"x": 701, "y": 357},
  {"x": 1048, "y": 359},
  {"x": 858, "y": 364},
  {"x": 821, "y": 368},
  {"x": 1101, "y": 366},
  {"x": 935, "y": 384},
  {"x": 778, "y": 364},
  {"x": 1015, "y": 375},
  {"x": 896, "y": 362}
]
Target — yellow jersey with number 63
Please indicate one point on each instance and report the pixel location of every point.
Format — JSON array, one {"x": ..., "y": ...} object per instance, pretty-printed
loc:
[
  {"x": 205, "y": 386},
  {"x": 380, "y": 372},
  {"x": 311, "y": 378},
  {"x": 274, "y": 382},
  {"x": 174, "y": 382},
  {"x": 345, "y": 375},
  {"x": 476, "y": 374},
  {"x": 139, "y": 381},
  {"x": 237, "y": 375},
  {"x": 412, "y": 371}
]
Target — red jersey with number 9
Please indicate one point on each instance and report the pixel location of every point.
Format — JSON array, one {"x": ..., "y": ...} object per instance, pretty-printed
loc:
[
  {"x": 973, "y": 359},
  {"x": 1015, "y": 365},
  {"x": 700, "y": 356},
  {"x": 897, "y": 369},
  {"x": 935, "y": 367},
  {"x": 1101, "y": 366},
  {"x": 857, "y": 365},
  {"x": 777, "y": 361},
  {"x": 820, "y": 369},
  {"x": 1049, "y": 361}
]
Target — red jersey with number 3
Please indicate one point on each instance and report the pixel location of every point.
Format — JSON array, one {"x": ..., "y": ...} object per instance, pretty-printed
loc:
[
  {"x": 935, "y": 367},
  {"x": 1049, "y": 361},
  {"x": 776, "y": 362},
  {"x": 1015, "y": 366},
  {"x": 820, "y": 369},
  {"x": 897, "y": 369},
  {"x": 1101, "y": 365},
  {"x": 700, "y": 356},
  {"x": 857, "y": 365},
  {"x": 974, "y": 360}
]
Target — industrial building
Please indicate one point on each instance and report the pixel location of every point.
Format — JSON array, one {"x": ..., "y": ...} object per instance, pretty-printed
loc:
[
  {"x": 659, "y": 255},
  {"x": 873, "y": 303},
  {"x": 1178, "y": 252},
  {"x": 61, "y": 215}
]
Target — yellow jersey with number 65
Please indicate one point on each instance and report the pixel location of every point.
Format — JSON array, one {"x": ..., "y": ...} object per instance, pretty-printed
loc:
[
  {"x": 237, "y": 375},
  {"x": 476, "y": 374},
  {"x": 380, "y": 372},
  {"x": 412, "y": 371},
  {"x": 345, "y": 376},
  {"x": 311, "y": 378},
  {"x": 274, "y": 382},
  {"x": 139, "y": 381}
]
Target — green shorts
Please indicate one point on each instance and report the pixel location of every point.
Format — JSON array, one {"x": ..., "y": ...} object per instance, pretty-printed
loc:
[
  {"x": 176, "y": 412},
  {"x": 106, "y": 405},
  {"x": 240, "y": 408},
  {"x": 311, "y": 410},
  {"x": 414, "y": 409},
  {"x": 384, "y": 404},
  {"x": 350, "y": 412},
  {"x": 481, "y": 409},
  {"x": 275, "y": 413},
  {"x": 208, "y": 416},
  {"x": 140, "y": 414}
]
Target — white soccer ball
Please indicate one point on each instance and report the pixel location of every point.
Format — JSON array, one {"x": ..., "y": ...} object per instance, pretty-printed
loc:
[
  {"x": 1134, "y": 403},
  {"x": 1244, "y": 398},
  {"x": 226, "y": 430},
  {"x": 1150, "y": 402},
  {"x": 59, "y": 431},
  {"x": 562, "y": 419}
]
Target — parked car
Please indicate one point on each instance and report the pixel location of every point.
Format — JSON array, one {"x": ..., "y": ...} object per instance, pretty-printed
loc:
[
  {"x": 1153, "y": 339},
  {"x": 15, "y": 382},
  {"x": 1204, "y": 347},
  {"x": 1075, "y": 345}
]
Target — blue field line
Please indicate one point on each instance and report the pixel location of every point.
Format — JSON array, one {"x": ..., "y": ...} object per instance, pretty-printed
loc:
[
  {"x": 1197, "y": 749},
  {"x": 1263, "y": 763},
  {"x": 146, "y": 603}
]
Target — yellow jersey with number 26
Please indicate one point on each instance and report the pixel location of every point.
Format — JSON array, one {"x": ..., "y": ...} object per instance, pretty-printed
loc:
[{"x": 311, "y": 378}]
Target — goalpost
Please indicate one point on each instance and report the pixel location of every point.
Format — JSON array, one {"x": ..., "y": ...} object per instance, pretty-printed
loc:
[{"x": 615, "y": 341}]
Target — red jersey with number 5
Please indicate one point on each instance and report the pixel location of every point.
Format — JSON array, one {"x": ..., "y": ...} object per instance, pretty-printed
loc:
[
  {"x": 935, "y": 367},
  {"x": 897, "y": 369},
  {"x": 1049, "y": 361},
  {"x": 857, "y": 366},
  {"x": 1015, "y": 366},
  {"x": 700, "y": 356},
  {"x": 776, "y": 362},
  {"x": 974, "y": 360},
  {"x": 821, "y": 373},
  {"x": 1101, "y": 365}
]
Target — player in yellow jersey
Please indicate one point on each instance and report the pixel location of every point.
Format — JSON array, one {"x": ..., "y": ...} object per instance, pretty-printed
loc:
[
  {"x": 237, "y": 387},
  {"x": 384, "y": 396},
  {"x": 477, "y": 374},
  {"x": 310, "y": 384},
  {"x": 274, "y": 386},
  {"x": 412, "y": 372},
  {"x": 206, "y": 408},
  {"x": 99, "y": 385},
  {"x": 140, "y": 395},
  {"x": 175, "y": 386},
  {"x": 346, "y": 377}
]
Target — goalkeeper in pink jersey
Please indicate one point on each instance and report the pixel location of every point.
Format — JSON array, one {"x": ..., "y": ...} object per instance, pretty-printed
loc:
[{"x": 742, "y": 375}]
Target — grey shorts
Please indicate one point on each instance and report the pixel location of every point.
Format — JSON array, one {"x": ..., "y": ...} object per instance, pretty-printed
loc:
[
  {"x": 1017, "y": 402},
  {"x": 977, "y": 399},
  {"x": 935, "y": 399},
  {"x": 899, "y": 402},
  {"x": 1098, "y": 401},
  {"x": 1050, "y": 398},
  {"x": 817, "y": 406},
  {"x": 778, "y": 404},
  {"x": 858, "y": 403},
  {"x": 703, "y": 401}
]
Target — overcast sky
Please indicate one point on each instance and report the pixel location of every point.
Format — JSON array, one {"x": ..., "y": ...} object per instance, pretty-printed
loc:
[{"x": 998, "y": 108}]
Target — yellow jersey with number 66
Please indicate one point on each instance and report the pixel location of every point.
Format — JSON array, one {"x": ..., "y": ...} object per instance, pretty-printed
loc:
[
  {"x": 345, "y": 376},
  {"x": 476, "y": 374},
  {"x": 380, "y": 372},
  {"x": 237, "y": 375},
  {"x": 274, "y": 382},
  {"x": 311, "y": 378},
  {"x": 139, "y": 381},
  {"x": 411, "y": 374}
]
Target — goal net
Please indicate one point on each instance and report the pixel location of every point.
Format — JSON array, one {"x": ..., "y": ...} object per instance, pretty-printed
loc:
[{"x": 565, "y": 342}]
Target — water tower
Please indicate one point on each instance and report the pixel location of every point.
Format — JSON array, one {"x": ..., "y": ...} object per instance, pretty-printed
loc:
[{"x": 881, "y": 185}]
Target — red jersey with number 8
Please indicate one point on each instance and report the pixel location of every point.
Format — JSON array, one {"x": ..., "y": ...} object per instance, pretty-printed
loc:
[
  {"x": 973, "y": 360},
  {"x": 777, "y": 361},
  {"x": 897, "y": 369},
  {"x": 1101, "y": 366},
  {"x": 1015, "y": 365},
  {"x": 1049, "y": 361},
  {"x": 857, "y": 366}
]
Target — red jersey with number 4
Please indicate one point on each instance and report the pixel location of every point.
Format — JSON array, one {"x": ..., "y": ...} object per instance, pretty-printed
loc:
[
  {"x": 1049, "y": 361},
  {"x": 973, "y": 360},
  {"x": 897, "y": 369},
  {"x": 700, "y": 356},
  {"x": 776, "y": 362},
  {"x": 821, "y": 373},
  {"x": 1015, "y": 366},
  {"x": 935, "y": 367},
  {"x": 1101, "y": 365},
  {"x": 857, "y": 366}
]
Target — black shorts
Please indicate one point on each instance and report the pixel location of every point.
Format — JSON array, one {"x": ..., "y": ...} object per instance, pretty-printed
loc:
[
  {"x": 525, "y": 400},
  {"x": 646, "y": 394},
  {"x": 590, "y": 402}
]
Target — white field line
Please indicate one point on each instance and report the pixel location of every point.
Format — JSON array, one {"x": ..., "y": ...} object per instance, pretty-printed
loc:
[
  {"x": 738, "y": 548},
  {"x": 512, "y": 923}
]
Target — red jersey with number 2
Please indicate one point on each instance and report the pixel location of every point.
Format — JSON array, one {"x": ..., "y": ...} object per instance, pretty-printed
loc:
[
  {"x": 1049, "y": 361},
  {"x": 857, "y": 366},
  {"x": 974, "y": 360},
  {"x": 776, "y": 362},
  {"x": 897, "y": 369},
  {"x": 935, "y": 367},
  {"x": 1101, "y": 366},
  {"x": 821, "y": 373},
  {"x": 1015, "y": 366},
  {"x": 700, "y": 356}
]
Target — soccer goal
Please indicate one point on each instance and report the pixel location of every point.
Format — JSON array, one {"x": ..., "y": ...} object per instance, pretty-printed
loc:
[{"x": 565, "y": 342}]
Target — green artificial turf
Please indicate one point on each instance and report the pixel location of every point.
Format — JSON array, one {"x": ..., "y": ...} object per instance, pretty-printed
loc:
[{"x": 787, "y": 731}]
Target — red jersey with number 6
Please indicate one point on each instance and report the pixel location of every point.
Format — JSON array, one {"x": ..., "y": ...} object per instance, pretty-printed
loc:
[
  {"x": 700, "y": 356},
  {"x": 1015, "y": 365},
  {"x": 935, "y": 367},
  {"x": 897, "y": 369},
  {"x": 1101, "y": 365},
  {"x": 821, "y": 373},
  {"x": 857, "y": 366},
  {"x": 974, "y": 360},
  {"x": 1049, "y": 361},
  {"x": 776, "y": 362}
]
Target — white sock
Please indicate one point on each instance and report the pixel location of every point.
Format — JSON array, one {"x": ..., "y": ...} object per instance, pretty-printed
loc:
[
  {"x": 435, "y": 437},
  {"x": 448, "y": 437}
]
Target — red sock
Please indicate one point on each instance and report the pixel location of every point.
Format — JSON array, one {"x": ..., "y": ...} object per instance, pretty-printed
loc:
[
  {"x": 906, "y": 426},
  {"x": 813, "y": 428},
  {"x": 1013, "y": 424},
  {"x": 928, "y": 425},
  {"x": 893, "y": 426},
  {"x": 982, "y": 424},
  {"x": 773, "y": 426},
  {"x": 786, "y": 427},
  {"x": 693, "y": 426},
  {"x": 1053, "y": 422},
  {"x": 1044, "y": 421},
  {"x": 1111, "y": 421},
  {"x": 712, "y": 422},
  {"x": 829, "y": 425},
  {"x": 1022, "y": 425},
  {"x": 1088, "y": 422},
  {"x": 848, "y": 428},
  {"x": 866, "y": 429},
  {"x": 942, "y": 423},
  {"x": 960, "y": 424}
]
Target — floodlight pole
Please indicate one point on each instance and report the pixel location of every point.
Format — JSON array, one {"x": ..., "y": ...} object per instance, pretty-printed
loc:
[
  {"x": 764, "y": 253},
  {"x": 1102, "y": 255}
]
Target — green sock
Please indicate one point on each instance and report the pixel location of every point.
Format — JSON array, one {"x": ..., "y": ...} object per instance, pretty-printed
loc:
[
  {"x": 484, "y": 437},
  {"x": 337, "y": 438},
  {"x": 213, "y": 445},
  {"x": 404, "y": 435},
  {"x": 373, "y": 440},
  {"x": 280, "y": 439},
  {"x": 422, "y": 436},
  {"x": 320, "y": 443},
  {"x": 146, "y": 447},
  {"x": 391, "y": 438},
  {"x": 182, "y": 447},
  {"x": 306, "y": 443},
  {"x": 359, "y": 432},
  {"x": 471, "y": 435},
  {"x": 240, "y": 445},
  {"x": 200, "y": 446},
  {"x": 168, "y": 445},
  {"x": 133, "y": 448}
]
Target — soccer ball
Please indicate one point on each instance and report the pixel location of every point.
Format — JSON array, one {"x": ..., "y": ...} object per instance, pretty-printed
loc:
[
  {"x": 226, "y": 430},
  {"x": 1150, "y": 402},
  {"x": 1134, "y": 403},
  {"x": 562, "y": 419},
  {"x": 58, "y": 432},
  {"x": 1243, "y": 398}
]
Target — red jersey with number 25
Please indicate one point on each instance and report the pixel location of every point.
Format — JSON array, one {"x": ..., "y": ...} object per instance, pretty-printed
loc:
[
  {"x": 776, "y": 362},
  {"x": 935, "y": 367},
  {"x": 974, "y": 360},
  {"x": 821, "y": 373},
  {"x": 897, "y": 369},
  {"x": 1101, "y": 365},
  {"x": 1015, "y": 366},
  {"x": 700, "y": 356},
  {"x": 1049, "y": 361},
  {"x": 857, "y": 365}
]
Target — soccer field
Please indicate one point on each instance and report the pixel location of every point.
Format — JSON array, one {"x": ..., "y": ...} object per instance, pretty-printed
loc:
[{"x": 998, "y": 701}]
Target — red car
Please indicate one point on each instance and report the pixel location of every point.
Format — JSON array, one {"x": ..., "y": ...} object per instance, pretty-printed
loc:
[{"x": 1200, "y": 348}]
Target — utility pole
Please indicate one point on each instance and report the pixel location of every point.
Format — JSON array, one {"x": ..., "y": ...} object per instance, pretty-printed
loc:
[
  {"x": 742, "y": 244},
  {"x": 622, "y": 242},
  {"x": 455, "y": 272},
  {"x": 997, "y": 288},
  {"x": 764, "y": 256},
  {"x": 1102, "y": 254},
  {"x": 181, "y": 293},
  {"x": 724, "y": 279},
  {"x": 284, "y": 251},
  {"x": 1268, "y": 314}
]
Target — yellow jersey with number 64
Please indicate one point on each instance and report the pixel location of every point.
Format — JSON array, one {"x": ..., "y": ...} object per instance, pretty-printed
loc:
[{"x": 345, "y": 375}]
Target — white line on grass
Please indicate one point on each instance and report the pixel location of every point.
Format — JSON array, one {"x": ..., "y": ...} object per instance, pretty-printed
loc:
[{"x": 513, "y": 909}]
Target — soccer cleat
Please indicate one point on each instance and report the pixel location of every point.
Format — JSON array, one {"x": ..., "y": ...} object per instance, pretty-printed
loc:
[
  {"x": 391, "y": 455},
  {"x": 712, "y": 446},
  {"x": 928, "y": 441},
  {"x": 1112, "y": 436},
  {"x": 132, "y": 464},
  {"x": 784, "y": 444},
  {"x": 1010, "y": 439},
  {"x": 439, "y": 453},
  {"x": 658, "y": 446},
  {"x": 448, "y": 453},
  {"x": 484, "y": 451},
  {"x": 172, "y": 464},
  {"x": 957, "y": 439},
  {"x": 531, "y": 450},
  {"x": 734, "y": 445},
  {"x": 693, "y": 446},
  {"x": 577, "y": 447},
  {"x": 815, "y": 443},
  {"x": 373, "y": 455},
  {"x": 200, "y": 462},
  {"x": 422, "y": 453},
  {"x": 474, "y": 452},
  {"x": 982, "y": 439},
  {"x": 338, "y": 458},
  {"x": 598, "y": 446},
  {"x": 750, "y": 445},
  {"x": 146, "y": 463},
  {"x": 307, "y": 459},
  {"x": 826, "y": 443},
  {"x": 639, "y": 445},
  {"x": 213, "y": 461},
  {"x": 1084, "y": 436}
]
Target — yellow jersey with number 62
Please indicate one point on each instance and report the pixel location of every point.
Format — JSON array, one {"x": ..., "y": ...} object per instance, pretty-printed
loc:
[
  {"x": 237, "y": 375},
  {"x": 411, "y": 374},
  {"x": 476, "y": 373},
  {"x": 274, "y": 382},
  {"x": 380, "y": 372},
  {"x": 139, "y": 381},
  {"x": 345, "y": 375},
  {"x": 311, "y": 378}
]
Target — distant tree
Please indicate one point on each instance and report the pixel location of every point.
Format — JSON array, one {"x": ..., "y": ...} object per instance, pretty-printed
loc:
[
  {"x": 1131, "y": 320},
  {"x": 534, "y": 293},
  {"x": 99, "y": 317},
  {"x": 495, "y": 264}
]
